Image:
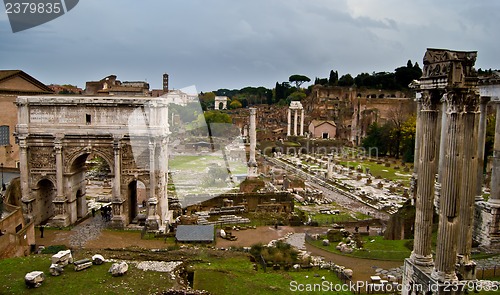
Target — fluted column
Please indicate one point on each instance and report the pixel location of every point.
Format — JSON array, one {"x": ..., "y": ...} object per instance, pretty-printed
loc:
[
  {"x": 494, "y": 199},
  {"x": 59, "y": 169},
  {"x": 442, "y": 140},
  {"x": 295, "y": 118},
  {"x": 480, "y": 147},
  {"x": 427, "y": 120},
  {"x": 117, "y": 170},
  {"x": 414, "y": 178},
  {"x": 446, "y": 249},
  {"x": 302, "y": 122},
  {"x": 289, "y": 125},
  {"x": 152, "y": 172},
  {"x": 468, "y": 184}
]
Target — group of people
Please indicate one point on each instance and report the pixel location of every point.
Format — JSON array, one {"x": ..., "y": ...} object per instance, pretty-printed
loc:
[{"x": 106, "y": 213}]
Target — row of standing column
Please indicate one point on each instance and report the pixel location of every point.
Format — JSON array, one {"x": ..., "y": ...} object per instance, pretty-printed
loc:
[
  {"x": 295, "y": 122},
  {"x": 458, "y": 148}
]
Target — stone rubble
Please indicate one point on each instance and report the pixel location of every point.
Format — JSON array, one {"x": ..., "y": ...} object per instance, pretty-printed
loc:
[
  {"x": 34, "y": 279},
  {"x": 159, "y": 266},
  {"x": 118, "y": 269}
]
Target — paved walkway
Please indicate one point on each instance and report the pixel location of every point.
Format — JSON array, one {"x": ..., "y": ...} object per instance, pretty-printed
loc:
[{"x": 86, "y": 231}]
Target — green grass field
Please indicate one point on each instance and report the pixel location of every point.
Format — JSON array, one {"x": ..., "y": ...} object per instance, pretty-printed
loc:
[
  {"x": 94, "y": 280},
  {"x": 237, "y": 276},
  {"x": 380, "y": 248}
]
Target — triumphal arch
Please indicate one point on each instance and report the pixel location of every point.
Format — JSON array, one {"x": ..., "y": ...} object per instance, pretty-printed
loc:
[{"x": 56, "y": 135}]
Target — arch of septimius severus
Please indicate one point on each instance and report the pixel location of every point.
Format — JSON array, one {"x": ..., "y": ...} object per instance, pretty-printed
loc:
[
  {"x": 449, "y": 149},
  {"x": 56, "y": 135}
]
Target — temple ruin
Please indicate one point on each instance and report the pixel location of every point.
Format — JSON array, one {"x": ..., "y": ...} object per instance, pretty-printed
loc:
[{"x": 449, "y": 146}]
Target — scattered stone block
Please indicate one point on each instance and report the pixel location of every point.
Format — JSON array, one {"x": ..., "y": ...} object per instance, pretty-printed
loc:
[
  {"x": 34, "y": 279},
  {"x": 348, "y": 272},
  {"x": 62, "y": 258},
  {"x": 118, "y": 269},
  {"x": 82, "y": 264},
  {"x": 56, "y": 270},
  {"x": 98, "y": 259},
  {"x": 326, "y": 242}
]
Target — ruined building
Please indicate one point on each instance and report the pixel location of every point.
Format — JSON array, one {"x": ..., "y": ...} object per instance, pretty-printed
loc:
[{"x": 450, "y": 136}]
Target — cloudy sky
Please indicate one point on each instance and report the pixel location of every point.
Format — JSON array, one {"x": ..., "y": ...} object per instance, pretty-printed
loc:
[{"x": 232, "y": 44}]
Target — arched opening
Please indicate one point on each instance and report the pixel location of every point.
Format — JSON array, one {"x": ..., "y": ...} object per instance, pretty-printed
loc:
[
  {"x": 90, "y": 178},
  {"x": 46, "y": 195},
  {"x": 221, "y": 105},
  {"x": 137, "y": 202}
]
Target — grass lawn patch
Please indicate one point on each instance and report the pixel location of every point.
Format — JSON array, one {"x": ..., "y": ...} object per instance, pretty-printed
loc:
[
  {"x": 394, "y": 250},
  {"x": 237, "y": 276},
  {"x": 94, "y": 280}
]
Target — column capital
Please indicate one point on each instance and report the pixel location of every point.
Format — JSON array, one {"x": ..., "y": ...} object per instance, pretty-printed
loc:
[{"x": 429, "y": 100}]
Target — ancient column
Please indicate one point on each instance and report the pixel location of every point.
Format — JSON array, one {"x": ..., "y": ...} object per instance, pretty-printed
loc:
[
  {"x": 481, "y": 146},
  {"x": 59, "y": 169},
  {"x": 442, "y": 140},
  {"x": 468, "y": 185},
  {"x": 414, "y": 178},
  {"x": 117, "y": 170},
  {"x": 302, "y": 122},
  {"x": 446, "y": 249},
  {"x": 295, "y": 118},
  {"x": 24, "y": 173},
  {"x": 289, "y": 125},
  {"x": 252, "y": 163},
  {"x": 152, "y": 170},
  {"x": 427, "y": 120},
  {"x": 494, "y": 200}
]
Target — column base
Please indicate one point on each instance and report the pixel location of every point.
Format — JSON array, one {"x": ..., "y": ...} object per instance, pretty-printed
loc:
[
  {"x": 118, "y": 222},
  {"x": 466, "y": 269},
  {"x": 61, "y": 220},
  {"x": 442, "y": 276},
  {"x": 153, "y": 222},
  {"x": 421, "y": 260}
]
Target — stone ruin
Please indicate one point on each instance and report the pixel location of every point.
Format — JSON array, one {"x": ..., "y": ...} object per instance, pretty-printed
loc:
[{"x": 448, "y": 164}]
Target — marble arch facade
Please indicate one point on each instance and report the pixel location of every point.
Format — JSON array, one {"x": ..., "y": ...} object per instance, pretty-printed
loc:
[{"x": 57, "y": 134}]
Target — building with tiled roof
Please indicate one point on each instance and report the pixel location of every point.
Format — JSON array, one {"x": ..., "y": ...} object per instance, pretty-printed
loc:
[{"x": 12, "y": 84}]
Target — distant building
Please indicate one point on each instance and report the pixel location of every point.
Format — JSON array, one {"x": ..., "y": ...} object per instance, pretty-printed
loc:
[
  {"x": 12, "y": 84},
  {"x": 110, "y": 86},
  {"x": 322, "y": 129},
  {"x": 65, "y": 89}
]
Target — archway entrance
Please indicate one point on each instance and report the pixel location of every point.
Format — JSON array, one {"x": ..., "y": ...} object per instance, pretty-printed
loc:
[
  {"x": 46, "y": 194},
  {"x": 91, "y": 177},
  {"x": 137, "y": 201}
]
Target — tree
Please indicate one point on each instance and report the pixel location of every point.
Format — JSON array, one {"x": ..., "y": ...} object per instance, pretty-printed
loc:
[
  {"x": 334, "y": 77},
  {"x": 298, "y": 80},
  {"x": 235, "y": 104},
  {"x": 296, "y": 96},
  {"x": 346, "y": 80}
]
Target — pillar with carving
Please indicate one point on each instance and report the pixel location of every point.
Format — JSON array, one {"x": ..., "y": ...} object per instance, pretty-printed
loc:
[
  {"x": 494, "y": 200},
  {"x": 427, "y": 120},
  {"x": 481, "y": 145},
  {"x": 446, "y": 248},
  {"x": 252, "y": 163},
  {"x": 468, "y": 184}
]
